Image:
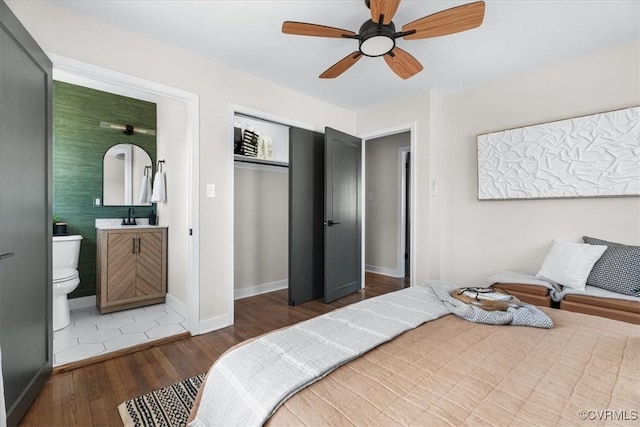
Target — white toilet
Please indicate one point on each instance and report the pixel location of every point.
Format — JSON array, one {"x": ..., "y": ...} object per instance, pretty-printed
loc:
[{"x": 66, "y": 250}]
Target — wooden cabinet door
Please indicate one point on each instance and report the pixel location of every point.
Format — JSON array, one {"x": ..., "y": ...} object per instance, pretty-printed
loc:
[
  {"x": 150, "y": 265},
  {"x": 132, "y": 268},
  {"x": 121, "y": 266}
]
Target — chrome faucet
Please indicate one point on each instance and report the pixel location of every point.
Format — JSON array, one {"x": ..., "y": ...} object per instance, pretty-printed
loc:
[{"x": 129, "y": 220}]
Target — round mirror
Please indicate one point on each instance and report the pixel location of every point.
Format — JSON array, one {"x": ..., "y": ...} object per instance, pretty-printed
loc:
[{"x": 123, "y": 169}]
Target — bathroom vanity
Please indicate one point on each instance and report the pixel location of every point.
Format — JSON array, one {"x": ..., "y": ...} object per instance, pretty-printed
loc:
[{"x": 131, "y": 265}]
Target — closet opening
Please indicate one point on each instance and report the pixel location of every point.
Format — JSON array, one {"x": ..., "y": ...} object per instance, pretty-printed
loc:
[
  {"x": 297, "y": 209},
  {"x": 260, "y": 205}
]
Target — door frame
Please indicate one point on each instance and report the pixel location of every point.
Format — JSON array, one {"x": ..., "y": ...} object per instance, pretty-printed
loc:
[
  {"x": 402, "y": 217},
  {"x": 258, "y": 114},
  {"x": 410, "y": 127},
  {"x": 80, "y": 73}
]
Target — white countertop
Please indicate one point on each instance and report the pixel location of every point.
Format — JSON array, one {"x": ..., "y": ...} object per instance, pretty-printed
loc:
[{"x": 116, "y": 224}]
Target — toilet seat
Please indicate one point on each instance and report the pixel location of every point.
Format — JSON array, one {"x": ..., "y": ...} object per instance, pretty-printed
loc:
[{"x": 64, "y": 275}]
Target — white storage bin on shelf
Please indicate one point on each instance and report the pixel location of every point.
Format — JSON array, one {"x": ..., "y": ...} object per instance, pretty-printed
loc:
[{"x": 260, "y": 141}]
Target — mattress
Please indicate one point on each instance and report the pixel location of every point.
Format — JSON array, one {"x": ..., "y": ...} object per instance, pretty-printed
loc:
[{"x": 453, "y": 372}]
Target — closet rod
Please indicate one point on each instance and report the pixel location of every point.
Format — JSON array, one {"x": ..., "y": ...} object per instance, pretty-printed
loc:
[
  {"x": 248, "y": 116},
  {"x": 257, "y": 161}
]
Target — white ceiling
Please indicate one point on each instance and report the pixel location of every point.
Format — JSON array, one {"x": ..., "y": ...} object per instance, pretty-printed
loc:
[{"x": 516, "y": 36}]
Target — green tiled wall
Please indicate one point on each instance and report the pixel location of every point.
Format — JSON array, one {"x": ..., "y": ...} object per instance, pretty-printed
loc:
[{"x": 79, "y": 144}]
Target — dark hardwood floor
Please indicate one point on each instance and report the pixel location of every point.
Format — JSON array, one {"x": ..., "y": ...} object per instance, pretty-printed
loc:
[{"x": 89, "y": 396}]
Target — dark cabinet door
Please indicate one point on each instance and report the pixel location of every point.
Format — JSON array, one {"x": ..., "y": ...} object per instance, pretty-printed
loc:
[
  {"x": 343, "y": 215},
  {"x": 325, "y": 215},
  {"x": 306, "y": 215},
  {"x": 25, "y": 216}
]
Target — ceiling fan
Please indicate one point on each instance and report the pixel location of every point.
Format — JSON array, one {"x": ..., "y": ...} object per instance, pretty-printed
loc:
[{"x": 378, "y": 35}]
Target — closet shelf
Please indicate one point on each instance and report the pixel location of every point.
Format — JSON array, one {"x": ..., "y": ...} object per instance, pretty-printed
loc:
[{"x": 254, "y": 160}]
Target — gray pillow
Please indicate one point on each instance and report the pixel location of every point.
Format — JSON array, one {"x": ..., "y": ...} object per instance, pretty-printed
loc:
[{"x": 618, "y": 269}]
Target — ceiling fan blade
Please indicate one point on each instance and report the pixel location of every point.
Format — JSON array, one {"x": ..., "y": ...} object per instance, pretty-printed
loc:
[
  {"x": 341, "y": 66},
  {"x": 386, "y": 8},
  {"x": 304, "y": 29},
  {"x": 402, "y": 63},
  {"x": 450, "y": 21}
]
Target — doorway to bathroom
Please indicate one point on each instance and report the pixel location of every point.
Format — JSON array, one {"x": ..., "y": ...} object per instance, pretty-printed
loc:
[
  {"x": 94, "y": 335},
  {"x": 389, "y": 202}
]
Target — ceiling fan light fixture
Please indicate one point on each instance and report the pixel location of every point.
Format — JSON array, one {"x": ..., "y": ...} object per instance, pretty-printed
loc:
[
  {"x": 376, "y": 39},
  {"x": 378, "y": 35}
]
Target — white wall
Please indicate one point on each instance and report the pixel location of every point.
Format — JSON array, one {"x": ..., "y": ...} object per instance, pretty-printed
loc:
[
  {"x": 261, "y": 222},
  {"x": 171, "y": 141},
  {"x": 457, "y": 237},
  {"x": 481, "y": 238},
  {"x": 382, "y": 186},
  {"x": 69, "y": 34}
]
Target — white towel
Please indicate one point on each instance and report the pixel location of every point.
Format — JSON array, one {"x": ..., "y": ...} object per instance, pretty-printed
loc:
[
  {"x": 264, "y": 147},
  {"x": 145, "y": 190},
  {"x": 148, "y": 188},
  {"x": 159, "y": 188}
]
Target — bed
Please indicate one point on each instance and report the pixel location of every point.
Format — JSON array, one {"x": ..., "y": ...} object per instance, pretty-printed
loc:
[
  {"x": 593, "y": 301},
  {"x": 448, "y": 371}
]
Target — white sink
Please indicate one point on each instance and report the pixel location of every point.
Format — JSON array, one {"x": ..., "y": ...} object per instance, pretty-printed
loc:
[{"x": 116, "y": 223}]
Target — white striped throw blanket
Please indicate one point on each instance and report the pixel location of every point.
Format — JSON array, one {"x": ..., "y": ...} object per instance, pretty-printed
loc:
[{"x": 246, "y": 386}]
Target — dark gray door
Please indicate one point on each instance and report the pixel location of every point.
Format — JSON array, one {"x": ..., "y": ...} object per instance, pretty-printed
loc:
[
  {"x": 306, "y": 210},
  {"x": 25, "y": 215},
  {"x": 407, "y": 219},
  {"x": 343, "y": 215}
]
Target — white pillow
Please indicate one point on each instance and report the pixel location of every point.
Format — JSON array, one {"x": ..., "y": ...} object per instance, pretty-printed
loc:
[{"x": 569, "y": 263}]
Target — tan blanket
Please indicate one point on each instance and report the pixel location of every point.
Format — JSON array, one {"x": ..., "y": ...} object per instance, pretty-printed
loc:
[{"x": 453, "y": 372}]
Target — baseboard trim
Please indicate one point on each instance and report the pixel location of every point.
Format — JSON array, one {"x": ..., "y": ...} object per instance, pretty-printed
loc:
[
  {"x": 382, "y": 270},
  {"x": 113, "y": 354},
  {"x": 176, "y": 304},
  {"x": 264, "y": 288},
  {"x": 82, "y": 302},
  {"x": 214, "y": 323}
]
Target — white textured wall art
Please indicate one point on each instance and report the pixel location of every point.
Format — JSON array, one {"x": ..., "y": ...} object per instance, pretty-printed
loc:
[{"x": 590, "y": 156}]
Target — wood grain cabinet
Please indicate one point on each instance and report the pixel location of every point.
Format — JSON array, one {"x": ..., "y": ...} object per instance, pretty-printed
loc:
[{"x": 131, "y": 268}]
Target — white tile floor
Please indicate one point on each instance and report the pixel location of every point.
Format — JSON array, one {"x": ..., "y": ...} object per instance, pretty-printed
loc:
[{"x": 91, "y": 333}]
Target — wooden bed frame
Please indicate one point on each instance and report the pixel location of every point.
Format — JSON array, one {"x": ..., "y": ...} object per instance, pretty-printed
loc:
[{"x": 616, "y": 309}]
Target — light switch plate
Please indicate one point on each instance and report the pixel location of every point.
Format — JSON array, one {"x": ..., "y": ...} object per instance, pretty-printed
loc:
[{"x": 211, "y": 190}]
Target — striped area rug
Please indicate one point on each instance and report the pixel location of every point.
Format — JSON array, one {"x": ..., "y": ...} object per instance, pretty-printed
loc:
[{"x": 166, "y": 407}]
